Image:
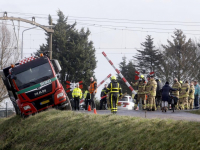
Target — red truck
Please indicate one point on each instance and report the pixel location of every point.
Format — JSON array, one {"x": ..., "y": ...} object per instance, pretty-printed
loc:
[{"x": 33, "y": 85}]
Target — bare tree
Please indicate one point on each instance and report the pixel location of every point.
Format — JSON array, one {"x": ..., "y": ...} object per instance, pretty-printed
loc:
[
  {"x": 8, "y": 53},
  {"x": 180, "y": 58}
]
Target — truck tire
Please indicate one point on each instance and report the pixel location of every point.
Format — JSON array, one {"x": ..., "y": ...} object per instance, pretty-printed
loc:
[
  {"x": 68, "y": 107},
  {"x": 17, "y": 110},
  {"x": 65, "y": 105}
]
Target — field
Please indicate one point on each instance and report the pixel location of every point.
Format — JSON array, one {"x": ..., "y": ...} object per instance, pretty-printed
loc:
[{"x": 55, "y": 129}]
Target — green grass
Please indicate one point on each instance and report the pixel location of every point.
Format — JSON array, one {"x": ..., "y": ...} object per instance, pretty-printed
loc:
[
  {"x": 69, "y": 130},
  {"x": 195, "y": 112}
]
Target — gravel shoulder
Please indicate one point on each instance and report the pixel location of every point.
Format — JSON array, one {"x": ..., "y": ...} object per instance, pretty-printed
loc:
[{"x": 177, "y": 115}]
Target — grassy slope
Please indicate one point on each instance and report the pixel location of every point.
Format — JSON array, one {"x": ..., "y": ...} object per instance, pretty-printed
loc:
[{"x": 68, "y": 130}]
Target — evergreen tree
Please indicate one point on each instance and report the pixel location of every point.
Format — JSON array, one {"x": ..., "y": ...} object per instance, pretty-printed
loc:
[
  {"x": 128, "y": 71},
  {"x": 148, "y": 58},
  {"x": 74, "y": 51}
]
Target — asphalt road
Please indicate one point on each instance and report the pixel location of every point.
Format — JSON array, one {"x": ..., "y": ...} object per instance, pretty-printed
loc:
[{"x": 177, "y": 115}]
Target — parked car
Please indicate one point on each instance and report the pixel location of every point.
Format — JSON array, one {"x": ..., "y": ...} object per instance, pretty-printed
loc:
[{"x": 126, "y": 103}]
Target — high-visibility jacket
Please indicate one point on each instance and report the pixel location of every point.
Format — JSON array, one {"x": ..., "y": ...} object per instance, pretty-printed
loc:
[
  {"x": 114, "y": 88},
  {"x": 177, "y": 86},
  {"x": 141, "y": 86},
  {"x": 92, "y": 87},
  {"x": 147, "y": 87},
  {"x": 103, "y": 92},
  {"x": 152, "y": 87},
  {"x": 184, "y": 90},
  {"x": 77, "y": 93},
  {"x": 87, "y": 95},
  {"x": 191, "y": 92}
]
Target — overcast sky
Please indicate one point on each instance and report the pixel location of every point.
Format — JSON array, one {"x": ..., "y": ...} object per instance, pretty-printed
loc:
[{"x": 117, "y": 26}]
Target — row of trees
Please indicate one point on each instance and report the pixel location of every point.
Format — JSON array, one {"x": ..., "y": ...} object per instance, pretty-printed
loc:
[{"x": 180, "y": 58}]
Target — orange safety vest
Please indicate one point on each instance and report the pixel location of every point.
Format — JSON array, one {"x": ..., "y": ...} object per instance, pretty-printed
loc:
[{"x": 92, "y": 87}]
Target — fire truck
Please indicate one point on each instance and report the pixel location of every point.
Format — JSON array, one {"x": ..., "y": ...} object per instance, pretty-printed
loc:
[{"x": 33, "y": 85}]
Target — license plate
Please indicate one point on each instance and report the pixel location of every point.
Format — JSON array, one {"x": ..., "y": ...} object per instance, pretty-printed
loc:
[
  {"x": 44, "y": 102},
  {"x": 119, "y": 104}
]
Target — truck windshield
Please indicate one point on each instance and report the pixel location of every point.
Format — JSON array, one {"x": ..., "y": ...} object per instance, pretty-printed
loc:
[{"x": 34, "y": 75}]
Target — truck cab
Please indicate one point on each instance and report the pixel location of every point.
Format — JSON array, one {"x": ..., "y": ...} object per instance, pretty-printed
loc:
[{"x": 33, "y": 85}]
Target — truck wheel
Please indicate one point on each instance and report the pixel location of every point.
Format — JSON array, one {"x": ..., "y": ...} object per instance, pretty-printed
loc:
[{"x": 68, "y": 107}]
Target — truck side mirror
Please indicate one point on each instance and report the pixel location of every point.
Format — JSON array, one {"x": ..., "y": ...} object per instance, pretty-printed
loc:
[{"x": 56, "y": 65}]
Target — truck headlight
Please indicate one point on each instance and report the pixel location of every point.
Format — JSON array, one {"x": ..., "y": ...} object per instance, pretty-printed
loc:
[
  {"x": 27, "y": 107},
  {"x": 60, "y": 95}
]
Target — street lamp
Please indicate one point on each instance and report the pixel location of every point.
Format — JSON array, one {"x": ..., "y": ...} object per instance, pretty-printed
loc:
[
  {"x": 22, "y": 40},
  {"x": 30, "y": 29}
]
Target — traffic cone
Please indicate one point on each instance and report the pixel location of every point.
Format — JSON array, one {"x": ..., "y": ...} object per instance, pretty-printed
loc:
[
  {"x": 95, "y": 112},
  {"x": 89, "y": 108}
]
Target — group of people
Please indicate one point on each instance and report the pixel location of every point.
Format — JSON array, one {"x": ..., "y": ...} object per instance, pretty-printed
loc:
[
  {"x": 187, "y": 94},
  {"x": 153, "y": 95},
  {"x": 146, "y": 92},
  {"x": 113, "y": 90},
  {"x": 89, "y": 95}
]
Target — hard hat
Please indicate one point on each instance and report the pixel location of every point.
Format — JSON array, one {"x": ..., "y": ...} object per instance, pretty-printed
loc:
[
  {"x": 142, "y": 76},
  {"x": 181, "y": 82},
  {"x": 113, "y": 78}
]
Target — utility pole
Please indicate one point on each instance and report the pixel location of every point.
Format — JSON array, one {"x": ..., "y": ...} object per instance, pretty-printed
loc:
[
  {"x": 32, "y": 22},
  {"x": 50, "y": 41},
  {"x": 18, "y": 37}
]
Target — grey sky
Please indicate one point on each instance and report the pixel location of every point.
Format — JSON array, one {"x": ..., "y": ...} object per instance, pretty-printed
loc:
[{"x": 104, "y": 35}]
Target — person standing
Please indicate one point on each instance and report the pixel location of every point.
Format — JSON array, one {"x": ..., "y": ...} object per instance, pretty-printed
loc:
[
  {"x": 183, "y": 98},
  {"x": 87, "y": 98},
  {"x": 152, "y": 93},
  {"x": 141, "y": 92},
  {"x": 77, "y": 95},
  {"x": 103, "y": 100},
  {"x": 147, "y": 89},
  {"x": 115, "y": 91},
  {"x": 165, "y": 96},
  {"x": 158, "y": 93},
  {"x": 93, "y": 91},
  {"x": 108, "y": 101},
  {"x": 196, "y": 95},
  {"x": 191, "y": 96},
  {"x": 177, "y": 86}
]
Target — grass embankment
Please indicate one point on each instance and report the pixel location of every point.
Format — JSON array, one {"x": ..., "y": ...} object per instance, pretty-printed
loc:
[{"x": 69, "y": 130}]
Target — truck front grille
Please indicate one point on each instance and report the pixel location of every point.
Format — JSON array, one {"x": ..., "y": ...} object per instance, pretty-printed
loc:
[{"x": 39, "y": 103}]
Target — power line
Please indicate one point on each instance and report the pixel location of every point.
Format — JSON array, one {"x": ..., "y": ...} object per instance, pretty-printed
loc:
[
  {"x": 132, "y": 27},
  {"x": 94, "y": 25},
  {"x": 133, "y": 23},
  {"x": 131, "y": 20},
  {"x": 127, "y": 27}
]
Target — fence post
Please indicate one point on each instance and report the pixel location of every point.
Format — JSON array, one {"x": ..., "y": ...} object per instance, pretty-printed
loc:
[{"x": 6, "y": 109}]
